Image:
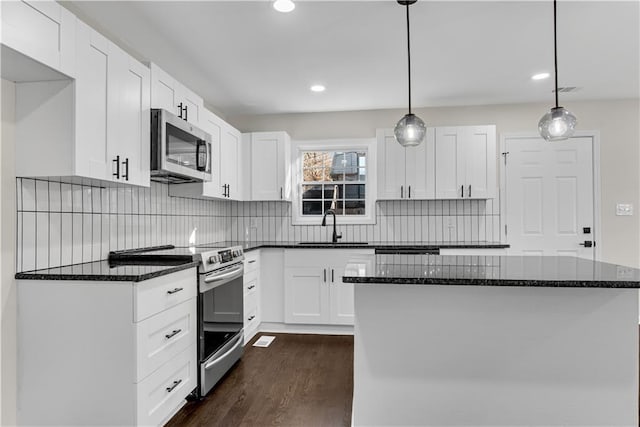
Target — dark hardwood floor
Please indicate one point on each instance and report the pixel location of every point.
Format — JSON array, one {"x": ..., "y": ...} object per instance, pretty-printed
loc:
[{"x": 299, "y": 380}]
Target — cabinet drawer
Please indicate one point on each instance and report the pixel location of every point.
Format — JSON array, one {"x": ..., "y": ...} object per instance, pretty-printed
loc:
[
  {"x": 159, "y": 338},
  {"x": 250, "y": 282},
  {"x": 250, "y": 301},
  {"x": 251, "y": 261},
  {"x": 251, "y": 319},
  {"x": 163, "y": 391},
  {"x": 154, "y": 295}
]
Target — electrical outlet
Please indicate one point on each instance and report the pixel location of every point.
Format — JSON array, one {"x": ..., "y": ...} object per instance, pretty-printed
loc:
[
  {"x": 624, "y": 272},
  {"x": 624, "y": 209}
]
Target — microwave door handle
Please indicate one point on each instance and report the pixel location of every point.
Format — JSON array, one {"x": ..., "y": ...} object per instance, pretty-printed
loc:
[{"x": 199, "y": 144}]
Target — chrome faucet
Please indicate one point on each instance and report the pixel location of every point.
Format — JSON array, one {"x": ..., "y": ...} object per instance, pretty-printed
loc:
[{"x": 335, "y": 235}]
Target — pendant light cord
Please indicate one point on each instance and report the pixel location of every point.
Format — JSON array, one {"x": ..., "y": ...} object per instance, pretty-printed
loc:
[
  {"x": 409, "y": 57},
  {"x": 555, "y": 49}
]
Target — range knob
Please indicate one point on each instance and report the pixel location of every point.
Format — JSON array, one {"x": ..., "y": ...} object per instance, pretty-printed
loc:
[{"x": 213, "y": 259}]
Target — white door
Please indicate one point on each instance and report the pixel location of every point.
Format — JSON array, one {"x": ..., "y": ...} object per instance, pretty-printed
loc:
[
  {"x": 550, "y": 196},
  {"x": 267, "y": 169}
]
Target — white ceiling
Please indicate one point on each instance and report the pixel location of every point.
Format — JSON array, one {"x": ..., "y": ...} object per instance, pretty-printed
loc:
[{"x": 245, "y": 58}]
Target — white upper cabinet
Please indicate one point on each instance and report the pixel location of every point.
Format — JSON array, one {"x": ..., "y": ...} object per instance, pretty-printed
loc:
[
  {"x": 405, "y": 173},
  {"x": 42, "y": 30},
  {"x": 98, "y": 129},
  {"x": 230, "y": 162},
  {"x": 171, "y": 95},
  {"x": 465, "y": 162},
  {"x": 269, "y": 166}
]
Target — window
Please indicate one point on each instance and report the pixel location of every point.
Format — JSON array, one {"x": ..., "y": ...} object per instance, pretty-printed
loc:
[{"x": 337, "y": 178}]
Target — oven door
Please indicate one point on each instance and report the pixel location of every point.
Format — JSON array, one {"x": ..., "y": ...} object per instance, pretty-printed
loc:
[{"x": 221, "y": 336}]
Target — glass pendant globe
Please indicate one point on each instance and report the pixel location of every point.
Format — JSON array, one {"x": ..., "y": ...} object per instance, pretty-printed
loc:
[
  {"x": 410, "y": 130},
  {"x": 557, "y": 125}
]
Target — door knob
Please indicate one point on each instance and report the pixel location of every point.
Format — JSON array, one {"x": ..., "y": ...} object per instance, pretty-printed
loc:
[{"x": 587, "y": 244}]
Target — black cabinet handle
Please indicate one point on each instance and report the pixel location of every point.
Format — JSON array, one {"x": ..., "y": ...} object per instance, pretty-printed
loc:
[
  {"x": 117, "y": 162},
  {"x": 173, "y": 291},
  {"x": 402, "y": 191},
  {"x": 173, "y": 334},
  {"x": 175, "y": 384},
  {"x": 409, "y": 191},
  {"x": 469, "y": 190},
  {"x": 281, "y": 193},
  {"x": 125, "y": 175},
  {"x": 186, "y": 112},
  {"x": 332, "y": 275},
  {"x": 228, "y": 190},
  {"x": 180, "y": 111},
  {"x": 251, "y": 287},
  {"x": 462, "y": 190},
  {"x": 251, "y": 318},
  {"x": 324, "y": 272}
]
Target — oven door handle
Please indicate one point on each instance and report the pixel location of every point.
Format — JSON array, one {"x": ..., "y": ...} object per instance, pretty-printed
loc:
[
  {"x": 239, "y": 341},
  {"x": 228, "y": 275}
]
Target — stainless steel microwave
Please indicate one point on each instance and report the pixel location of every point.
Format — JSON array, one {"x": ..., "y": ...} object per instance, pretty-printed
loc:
[{"x": 180, "y": 151}]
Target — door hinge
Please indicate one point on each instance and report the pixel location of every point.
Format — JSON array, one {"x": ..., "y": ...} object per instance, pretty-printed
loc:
[{"x": 505, "y": 154}]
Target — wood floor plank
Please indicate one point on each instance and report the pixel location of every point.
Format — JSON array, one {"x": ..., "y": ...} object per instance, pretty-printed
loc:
[{"x": 299, "y": 380}]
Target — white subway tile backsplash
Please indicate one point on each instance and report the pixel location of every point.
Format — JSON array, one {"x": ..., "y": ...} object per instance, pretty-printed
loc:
[
  {"x": 28, "y": 235},
  {"x": 42, "y": 196},
  {"x": 42, "y": 240},
  {"x": 28, "y": 192}
]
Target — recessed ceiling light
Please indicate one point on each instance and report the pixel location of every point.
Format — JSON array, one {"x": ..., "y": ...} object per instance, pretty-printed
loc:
[
  {"x": 318, "y": 88},
  {"x": 540, "y": 76},
  {"x": 284, "y": 6}
]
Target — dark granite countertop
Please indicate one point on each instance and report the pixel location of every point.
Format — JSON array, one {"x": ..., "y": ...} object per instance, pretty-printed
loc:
[
  {"x": 104, "y": 271},
  {"x": 467, "y": 270},
  {"x": 251, "y": 245}
]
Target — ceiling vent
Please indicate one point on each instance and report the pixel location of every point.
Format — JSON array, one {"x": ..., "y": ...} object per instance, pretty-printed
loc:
[{"x": 568, "y": 89}]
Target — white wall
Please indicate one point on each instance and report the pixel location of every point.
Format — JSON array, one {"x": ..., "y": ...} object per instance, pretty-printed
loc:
[
  {"x": 617, "y": 121},
  {"x": 8, "y": 366}
]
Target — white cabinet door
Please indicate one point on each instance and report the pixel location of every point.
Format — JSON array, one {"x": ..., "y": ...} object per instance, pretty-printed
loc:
[
  {"x": 465, "y": 162},
  {"x": 420, "y": 168},
  {"x": 481, "y": 161},
  {"x": 306, "y": 295},
  {"x": 449, "y": 149},
  {"x": 391, "y": 166},
  {"x": 94, "y": 110},
  {"x": 129, "y": 132},
  {"x": 163, "y": 91},
  {"x": 230, "y": 163},
  {"x": 42, "y": 30},
  {"x": 269, "y": 166},
  {"x": 171, "y": 95},
  {"x": 405, "y": 173},
  {"x": 341, "y": 297}
]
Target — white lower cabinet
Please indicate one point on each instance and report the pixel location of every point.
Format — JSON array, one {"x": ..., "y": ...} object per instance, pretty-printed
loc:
[
  {"x": 313, "y": 289},
  {"x": 251, "y": 280},
  {"x": 116, "y": 353}
]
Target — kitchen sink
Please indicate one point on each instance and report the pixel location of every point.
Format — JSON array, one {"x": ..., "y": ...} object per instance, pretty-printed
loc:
[{"x": 333, "y": 244}]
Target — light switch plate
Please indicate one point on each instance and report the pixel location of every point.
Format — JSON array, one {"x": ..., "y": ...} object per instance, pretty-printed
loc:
[{"x": 624, "y": 209}]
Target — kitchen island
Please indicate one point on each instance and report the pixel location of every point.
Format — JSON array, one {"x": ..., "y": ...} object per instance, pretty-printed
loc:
[{"x": 494, "y": 340}]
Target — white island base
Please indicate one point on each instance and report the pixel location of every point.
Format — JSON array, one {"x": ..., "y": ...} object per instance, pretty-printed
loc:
[{"x": 482, "y": 355}]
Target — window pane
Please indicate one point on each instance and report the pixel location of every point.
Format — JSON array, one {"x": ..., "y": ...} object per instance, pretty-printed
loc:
[
  {"x": 354, "y": 207},
  {"x": 339, "y": 207},
  {"x": 312, "y": 191},
  {"x": 328, "y": 191},
  {"x": 313, "y": 174},
  {"x": 344, "y": 164},
  {"x": 354, "y": 191},
  {"x": 316, "y": 159},
  {"x": 311, "y": 208}
]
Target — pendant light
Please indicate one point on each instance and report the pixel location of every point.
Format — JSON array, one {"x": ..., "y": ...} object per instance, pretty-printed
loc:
[
  {"x": 410, "y": 130},
  {"x": 558, "y": 124}
]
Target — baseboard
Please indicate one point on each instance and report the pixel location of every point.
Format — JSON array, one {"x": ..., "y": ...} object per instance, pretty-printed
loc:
[{"x": 286, "y": 328}]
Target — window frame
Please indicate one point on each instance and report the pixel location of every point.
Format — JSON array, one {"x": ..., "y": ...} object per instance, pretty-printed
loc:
[{"x": 367, "y": 145}]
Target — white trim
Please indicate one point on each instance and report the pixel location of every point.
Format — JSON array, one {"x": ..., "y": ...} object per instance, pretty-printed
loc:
[
  {"x": 595, "y": 148},
  {"x": 366, "y": 144},
  {"x": 287, "y": 328}
]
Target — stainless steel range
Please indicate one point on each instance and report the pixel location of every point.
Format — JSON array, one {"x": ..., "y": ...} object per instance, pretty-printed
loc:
[
  {"x": 220, "y": 303},
  {"x": 220, "y": 314}
]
